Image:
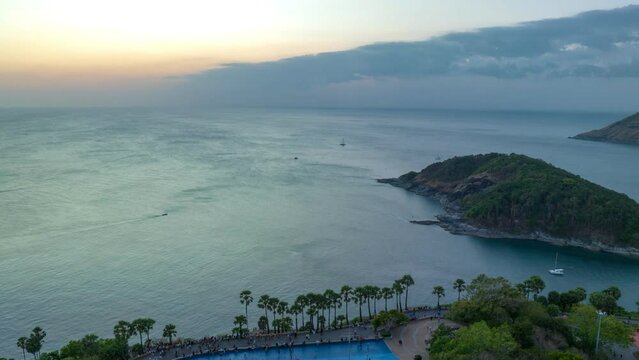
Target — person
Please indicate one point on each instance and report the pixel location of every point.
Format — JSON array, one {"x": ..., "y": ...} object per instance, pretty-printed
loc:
[{"x": 400, "y": 342}]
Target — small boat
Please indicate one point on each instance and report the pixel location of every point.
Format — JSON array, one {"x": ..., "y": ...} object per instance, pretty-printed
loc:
[
  {"x": 342, "y": 143},
  {"x": 556, "y": 271},
  {"x": 164, "y": 214}
]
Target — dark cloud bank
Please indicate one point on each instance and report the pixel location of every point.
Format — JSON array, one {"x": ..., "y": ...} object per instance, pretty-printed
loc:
[{"x": 589, "y": 61}]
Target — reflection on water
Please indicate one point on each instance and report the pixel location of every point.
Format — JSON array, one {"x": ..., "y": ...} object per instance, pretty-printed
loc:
[{"x": 81, "y": 248}]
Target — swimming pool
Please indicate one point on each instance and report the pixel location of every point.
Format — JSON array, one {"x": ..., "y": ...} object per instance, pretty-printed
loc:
[{"x": 373, "y": 350}]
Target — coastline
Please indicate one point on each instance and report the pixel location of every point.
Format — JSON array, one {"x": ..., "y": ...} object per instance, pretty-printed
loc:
[
  {"x": 603, "y": 140},
  {"x": 452, "y": 220}
]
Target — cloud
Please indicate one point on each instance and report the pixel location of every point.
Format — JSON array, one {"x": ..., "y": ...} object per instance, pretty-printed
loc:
[{"x": 595, "y": 45}]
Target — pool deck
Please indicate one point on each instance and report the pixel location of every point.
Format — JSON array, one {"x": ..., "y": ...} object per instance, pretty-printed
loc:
[
  {"x": 413, "y": 332},
  {"x": 414, "y": 337}
]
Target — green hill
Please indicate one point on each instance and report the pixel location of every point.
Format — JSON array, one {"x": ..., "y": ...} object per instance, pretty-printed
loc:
[
  {"x": 526, "y": 197},
  {"x": 625, "y": 131}
]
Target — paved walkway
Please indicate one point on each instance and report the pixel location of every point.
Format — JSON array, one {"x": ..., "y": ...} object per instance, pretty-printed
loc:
[
  {"x": 214, "y": 345},
  {"x": 414, "y": 337},
  {"x": 355, "y": 333}
]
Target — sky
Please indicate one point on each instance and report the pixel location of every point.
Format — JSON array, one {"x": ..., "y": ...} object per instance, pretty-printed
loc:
[{"x": 391, "y": 53}]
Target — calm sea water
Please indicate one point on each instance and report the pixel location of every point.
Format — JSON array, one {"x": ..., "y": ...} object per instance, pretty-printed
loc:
[{"x": 81, "y": 245}]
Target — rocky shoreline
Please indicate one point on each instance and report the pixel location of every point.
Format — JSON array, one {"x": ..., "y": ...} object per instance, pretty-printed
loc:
[{"x": 453, "y": 221}]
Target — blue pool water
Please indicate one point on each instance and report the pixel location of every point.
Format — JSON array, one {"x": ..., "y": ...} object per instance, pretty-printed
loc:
[{"x": 374, "y": 350}]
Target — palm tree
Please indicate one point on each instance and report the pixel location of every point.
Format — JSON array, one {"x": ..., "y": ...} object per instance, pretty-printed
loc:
[
  {"x": 321, "y": 306},
  {"x": 246, "y": 298},
  {"x": 407, "y": 281},
  {"x": 295, "y": 309},
  {"x": 302, "y": 302},
  {"x": 439, "y": 292},
  {"x": 460, "y": 286},
  {"x": 346, "y": 292},
  {"x": 312, "y": 304},
  {"x": 368, "y": 291},
  {"x": 387, "y": 293},
  {"x": 359, "y": 295},
  {"x": 310, "y": 312},
  {"x": 321, "y": 322},
  {"x": 138, "y": 326},
  {"x": 376, "y": 295},
  {"x": 122, "y": 330},
  {"x": 263, "y": 303},
  {"x": 272, "y": 305},
  {"x": 35, "y": 341},
  {"x": 331, "y": 300},
  {"x": 22, "y": 344},
  {"x": 148, "y": 326},
  {"x": 398, "y": 289},
  {"x": 282, "y": 308},
  {"x": 169, "y": 331},
  {"x": 287, "y": 324},
  {"x": 337, "y": 303},
  {"x": 524, "y": 288},
  {"x": 536, "y": 285},
  {"x": 341, "y": 319},
  {"x": 240, "y": 320}
]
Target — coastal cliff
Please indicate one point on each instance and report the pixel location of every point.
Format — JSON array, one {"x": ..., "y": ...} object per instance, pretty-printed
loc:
[
  {"x": 625, "y": 131},
  {"x": 515, "y": 196}
]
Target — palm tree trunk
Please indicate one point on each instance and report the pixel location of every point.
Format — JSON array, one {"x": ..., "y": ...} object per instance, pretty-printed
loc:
[
  {"x": 360, "y": 311},
  {"x": 458, "y": 295},
  {"x": 303, "y": 323},
  {"x": 268, "y": 327},
  {"x": 170, "y": 339},
  {"x": 295, "y": 322},
  {"x": 24, "y": 355},
  {"x": 386, "y": 304},
  {"x": 368, "y": 304},
  {"x": 375, "y": 307},
  {"x": 347, "y": 313},
  {"x": 406, "y": 299},
  {"x": 141, "y": 339}
]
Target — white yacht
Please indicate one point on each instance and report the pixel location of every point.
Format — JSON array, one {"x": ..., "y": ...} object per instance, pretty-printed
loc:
[{"x": 556, "y": 271}]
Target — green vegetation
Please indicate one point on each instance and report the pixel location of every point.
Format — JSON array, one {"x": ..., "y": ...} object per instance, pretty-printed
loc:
[
  {"x": 476, "y": 341},
  {"x": 520, "y": 195},
  {"x": 33, "y": 343},
  {"x": 322, "y": 308},
  {"x": 503, "y": 323},
  {"x": 386, "y": 320},
  {"x": 584, "y": 320},
  {"x": 499, "y": 320}
]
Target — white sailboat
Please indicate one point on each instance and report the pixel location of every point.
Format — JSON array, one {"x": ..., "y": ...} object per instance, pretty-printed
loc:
[{"x": 556, "y": 271}]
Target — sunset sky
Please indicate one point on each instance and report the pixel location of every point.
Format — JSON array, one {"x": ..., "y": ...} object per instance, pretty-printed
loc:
[{"x": 79, "y": 52}]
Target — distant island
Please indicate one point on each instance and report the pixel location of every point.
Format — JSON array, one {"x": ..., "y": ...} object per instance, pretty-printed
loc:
[
  {"x": 625, "y": 131},
  {"x": 515, "y": 196}
]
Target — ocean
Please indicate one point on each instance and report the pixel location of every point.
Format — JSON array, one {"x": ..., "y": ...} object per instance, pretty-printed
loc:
[{"x": 83, "y": 245}]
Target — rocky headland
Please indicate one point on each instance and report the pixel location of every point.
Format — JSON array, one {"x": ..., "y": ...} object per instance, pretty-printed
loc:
[
  {"x": 625, "y": 131},
  {"x": 518, "y": 197}
]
